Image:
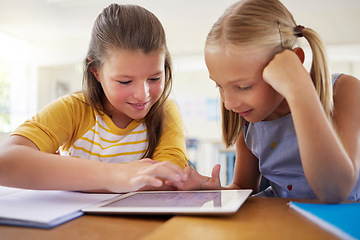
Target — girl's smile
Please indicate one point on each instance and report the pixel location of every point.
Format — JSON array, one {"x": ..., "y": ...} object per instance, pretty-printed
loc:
[
  {"x": 139, "y": 106},
  {"x": 244, "y": 114}
]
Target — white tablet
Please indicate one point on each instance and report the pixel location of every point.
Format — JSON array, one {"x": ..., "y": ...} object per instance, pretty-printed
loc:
[{"x": 213, "y": 202}]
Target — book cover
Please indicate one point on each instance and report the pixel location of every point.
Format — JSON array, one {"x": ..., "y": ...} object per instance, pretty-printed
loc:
[{"x": 340, "y": 219}]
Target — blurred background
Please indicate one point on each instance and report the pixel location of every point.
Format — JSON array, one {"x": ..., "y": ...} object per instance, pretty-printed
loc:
[{"x": 43, "y": 44}]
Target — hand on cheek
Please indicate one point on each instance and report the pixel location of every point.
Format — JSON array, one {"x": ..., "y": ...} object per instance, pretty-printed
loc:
[{"x": 285, "y": 70}]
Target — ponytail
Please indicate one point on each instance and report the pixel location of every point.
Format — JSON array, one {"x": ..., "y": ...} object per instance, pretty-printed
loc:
[{"x": 319, "y": 71}]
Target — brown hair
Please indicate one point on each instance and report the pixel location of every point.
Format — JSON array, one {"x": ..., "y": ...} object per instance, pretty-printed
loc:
[
  {"x": 131, "y": 28},
  {"x": 266, "y": 24}
]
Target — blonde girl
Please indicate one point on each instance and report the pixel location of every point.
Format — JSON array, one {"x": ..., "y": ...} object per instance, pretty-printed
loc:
[{"x": 299, "y": 129}]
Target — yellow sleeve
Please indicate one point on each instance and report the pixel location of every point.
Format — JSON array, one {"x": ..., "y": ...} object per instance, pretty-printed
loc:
[
  {"x": 58, "y": 124},
  {"x": 172, "y": 145}
]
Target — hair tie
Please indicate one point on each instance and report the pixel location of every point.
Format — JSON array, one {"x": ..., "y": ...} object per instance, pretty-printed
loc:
[{"x": 298, "y": 31}]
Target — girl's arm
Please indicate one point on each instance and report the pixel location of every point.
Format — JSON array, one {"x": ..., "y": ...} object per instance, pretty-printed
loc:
[
  {"x": 172, "y": 145},
  {"x": 330, "y": 157},
  {"x": 246, "y": 172},
  {"x": 22, "y": 165}
]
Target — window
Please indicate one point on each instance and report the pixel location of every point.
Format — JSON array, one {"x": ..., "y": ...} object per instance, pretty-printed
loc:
[
  {"x": 15, "y": 86},
  {"x": 4, "y": 95}
]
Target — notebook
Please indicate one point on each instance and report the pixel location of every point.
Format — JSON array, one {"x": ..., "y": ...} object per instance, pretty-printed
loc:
[
  {"x": 43, "y": 209},
  {"x": 340, "y": 219},
  {"x": 213, "y": 202}
]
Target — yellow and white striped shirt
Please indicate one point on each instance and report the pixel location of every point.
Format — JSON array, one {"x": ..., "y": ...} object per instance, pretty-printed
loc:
[{"x": 80, "y": 131}]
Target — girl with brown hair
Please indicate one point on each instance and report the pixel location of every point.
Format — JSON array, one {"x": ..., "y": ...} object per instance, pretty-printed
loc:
[{"x": 121, "y": 133}]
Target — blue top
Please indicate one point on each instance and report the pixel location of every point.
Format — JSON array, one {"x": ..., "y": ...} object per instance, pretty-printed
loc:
[{"x": 275, "y": 145}]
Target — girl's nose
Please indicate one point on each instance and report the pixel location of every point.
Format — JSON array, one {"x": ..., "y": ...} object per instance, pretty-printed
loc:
[
  {"x": 230, "y": 101},
  {"x": 142, "y": 91},
  {"x": 229, "y": 105}
]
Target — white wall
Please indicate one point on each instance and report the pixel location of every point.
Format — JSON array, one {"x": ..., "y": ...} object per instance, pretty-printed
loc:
[
  {"x": 3, "y": 136},
  {"x": 55, "y": 81}
]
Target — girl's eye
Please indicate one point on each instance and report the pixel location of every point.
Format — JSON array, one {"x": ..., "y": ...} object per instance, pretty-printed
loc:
[
  {"x": 244, "y": 88},
  {"x": 124, "y": 82},
  {"x": 155, "y": 79}
]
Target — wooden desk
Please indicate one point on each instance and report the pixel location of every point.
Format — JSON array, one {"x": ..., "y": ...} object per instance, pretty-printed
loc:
[
  {"x": 258, "y": 218},
  {"x": 88, "y": 227}
]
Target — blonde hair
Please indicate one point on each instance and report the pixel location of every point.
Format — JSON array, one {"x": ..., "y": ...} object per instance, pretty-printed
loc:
[
  {"x": 130, "y": 28},
  {"x": 266, "y": 24}
]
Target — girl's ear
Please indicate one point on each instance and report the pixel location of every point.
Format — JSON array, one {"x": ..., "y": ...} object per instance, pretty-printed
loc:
[
  {"x": 94, "y": 70},
  {"x": 300, "y": 53}
]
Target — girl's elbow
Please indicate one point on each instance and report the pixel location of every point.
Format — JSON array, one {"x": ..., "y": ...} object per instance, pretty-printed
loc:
[
  {"x": 336, "y": 194},
  {"x": 333, "y": 199}
]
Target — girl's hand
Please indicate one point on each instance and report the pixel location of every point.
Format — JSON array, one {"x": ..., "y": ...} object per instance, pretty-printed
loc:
[
  {"x": 286, "y": 73},
  {"x": 146, "y": 172},
  {"x": 195, "y": 181}
]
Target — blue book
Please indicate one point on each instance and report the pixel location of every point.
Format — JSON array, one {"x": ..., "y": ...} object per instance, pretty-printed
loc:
[{"x": 340, "y": 219}]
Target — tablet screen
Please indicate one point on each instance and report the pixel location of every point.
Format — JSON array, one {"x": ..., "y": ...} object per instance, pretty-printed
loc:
[
  {"x": 169, "y": 199},
  {"x": 173, "y": 202}
]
